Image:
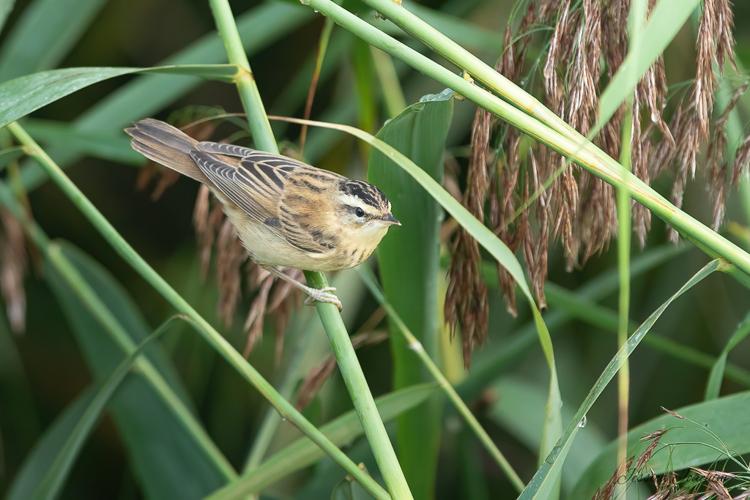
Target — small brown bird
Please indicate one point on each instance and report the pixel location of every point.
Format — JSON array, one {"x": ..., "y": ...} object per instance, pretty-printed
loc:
[{"x": 285, "y": 212}]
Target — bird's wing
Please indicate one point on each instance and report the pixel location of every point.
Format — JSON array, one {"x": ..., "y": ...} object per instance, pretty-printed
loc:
[{"x": 257, "y": 184}]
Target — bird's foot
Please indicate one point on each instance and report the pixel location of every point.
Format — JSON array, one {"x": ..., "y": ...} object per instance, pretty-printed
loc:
[{"x": 324, "y": 295}]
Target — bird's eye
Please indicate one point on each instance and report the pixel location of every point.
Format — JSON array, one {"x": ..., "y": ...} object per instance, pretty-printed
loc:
[{"x": 359, "y": 212}]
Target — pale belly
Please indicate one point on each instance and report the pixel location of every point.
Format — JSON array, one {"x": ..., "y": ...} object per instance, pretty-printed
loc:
[{"x": 267, "y": 248}]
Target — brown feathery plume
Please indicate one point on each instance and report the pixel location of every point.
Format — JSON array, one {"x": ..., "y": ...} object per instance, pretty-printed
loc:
[
  {"x": 606, "y": 491},
  {"x": 715, "y": 482},
  {"x": 665, "y": 487},
  {"x": 466, "y": 298},
  {"x": 254, "y": 322},
  {"x": 536, "y": 251},
  {"x": 508, "y": 169},
  {"x": 653, "y": 93},
  {"x": 552, "y": 82},
  {"x": 13, "y": 266},
  {"x": 230, "y": 255},
  {"x": 578, "y": 208},
  {"x": 207, "y": 219},
  {"x": 269, "y": 299},
  {"x": 741, "y": 160},
  {"x": 655, "y": 439},
  {"x": 705, "y": 78},
  {"x": 718, "y": 170}
]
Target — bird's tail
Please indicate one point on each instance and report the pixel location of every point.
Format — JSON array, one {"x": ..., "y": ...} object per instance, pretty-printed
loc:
[{"x": 166, "y": 145}]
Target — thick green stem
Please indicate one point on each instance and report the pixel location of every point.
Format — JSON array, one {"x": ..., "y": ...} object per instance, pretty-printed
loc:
[
  {"x": 552, "y": 131},
  {"x": 351, "y": 372},
  {"x": 364, "y": 404},
  {"x": 251, "y": 101},
  {"x": 212, "y": 337},
  {"x": 623, "y": 267}
]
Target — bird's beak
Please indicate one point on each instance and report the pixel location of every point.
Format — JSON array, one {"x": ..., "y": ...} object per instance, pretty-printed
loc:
[{"x": 391, "y": 220}]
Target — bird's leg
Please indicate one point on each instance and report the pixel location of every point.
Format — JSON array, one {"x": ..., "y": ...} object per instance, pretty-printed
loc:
[{"x": 313, "y": 294}]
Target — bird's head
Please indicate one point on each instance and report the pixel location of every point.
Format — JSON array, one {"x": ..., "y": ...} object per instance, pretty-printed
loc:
[{"x": 364, "y": 211}]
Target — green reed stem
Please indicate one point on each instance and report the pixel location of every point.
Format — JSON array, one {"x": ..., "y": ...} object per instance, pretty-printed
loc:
[
  {"x": 416, "y": 346},
  {"x": 542, "y": 125},
  {"x": 364, "y": 404},
  {"x": 210, "y": 335},
  {"x": 249, "y": 95},
  {"x": 624, "y": 219},
  {"x": 333, "y": 324}
]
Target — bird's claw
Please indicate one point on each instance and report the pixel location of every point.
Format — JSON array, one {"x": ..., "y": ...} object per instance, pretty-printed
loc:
[{"x": 324, "y": 295}]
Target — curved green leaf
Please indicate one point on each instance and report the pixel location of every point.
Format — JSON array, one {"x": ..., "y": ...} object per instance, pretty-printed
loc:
[
  {"x": 708, "y": 432},
  {"x": 303, "y": 452},
  {"x": 409, "y": 263},
  {"x": 25, "y": 94},
  {"x": 41, "y": 457},
  {"x": 51, "y": 483},
  {"x": 170, "y": 453}
]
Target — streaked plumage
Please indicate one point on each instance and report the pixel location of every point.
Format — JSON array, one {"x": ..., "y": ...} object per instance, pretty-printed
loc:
[{"x": 286, "y": 213}]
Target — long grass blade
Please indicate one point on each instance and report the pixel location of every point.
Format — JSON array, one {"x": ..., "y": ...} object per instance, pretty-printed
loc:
[
  {"x": 587, "y": 311},
  {"x": 417, "y": 348},
  {"x": 409, "y": 265},
  {"x": 546, "y": 473}
]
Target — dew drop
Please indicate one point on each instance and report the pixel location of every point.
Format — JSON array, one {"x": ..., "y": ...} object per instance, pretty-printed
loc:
[{"x": 582, "y": 423}]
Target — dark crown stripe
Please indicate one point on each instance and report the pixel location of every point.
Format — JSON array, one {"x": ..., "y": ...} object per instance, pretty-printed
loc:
[{"x": 368, "y": 193}]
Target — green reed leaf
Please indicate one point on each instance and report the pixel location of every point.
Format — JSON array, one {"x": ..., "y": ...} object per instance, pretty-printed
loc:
[
  {"x": 25, "y": 94},
  {"x": 151, "y": 412},
  {"x": 409, "y": 264},
  {"x": 50, "y": 485}
]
